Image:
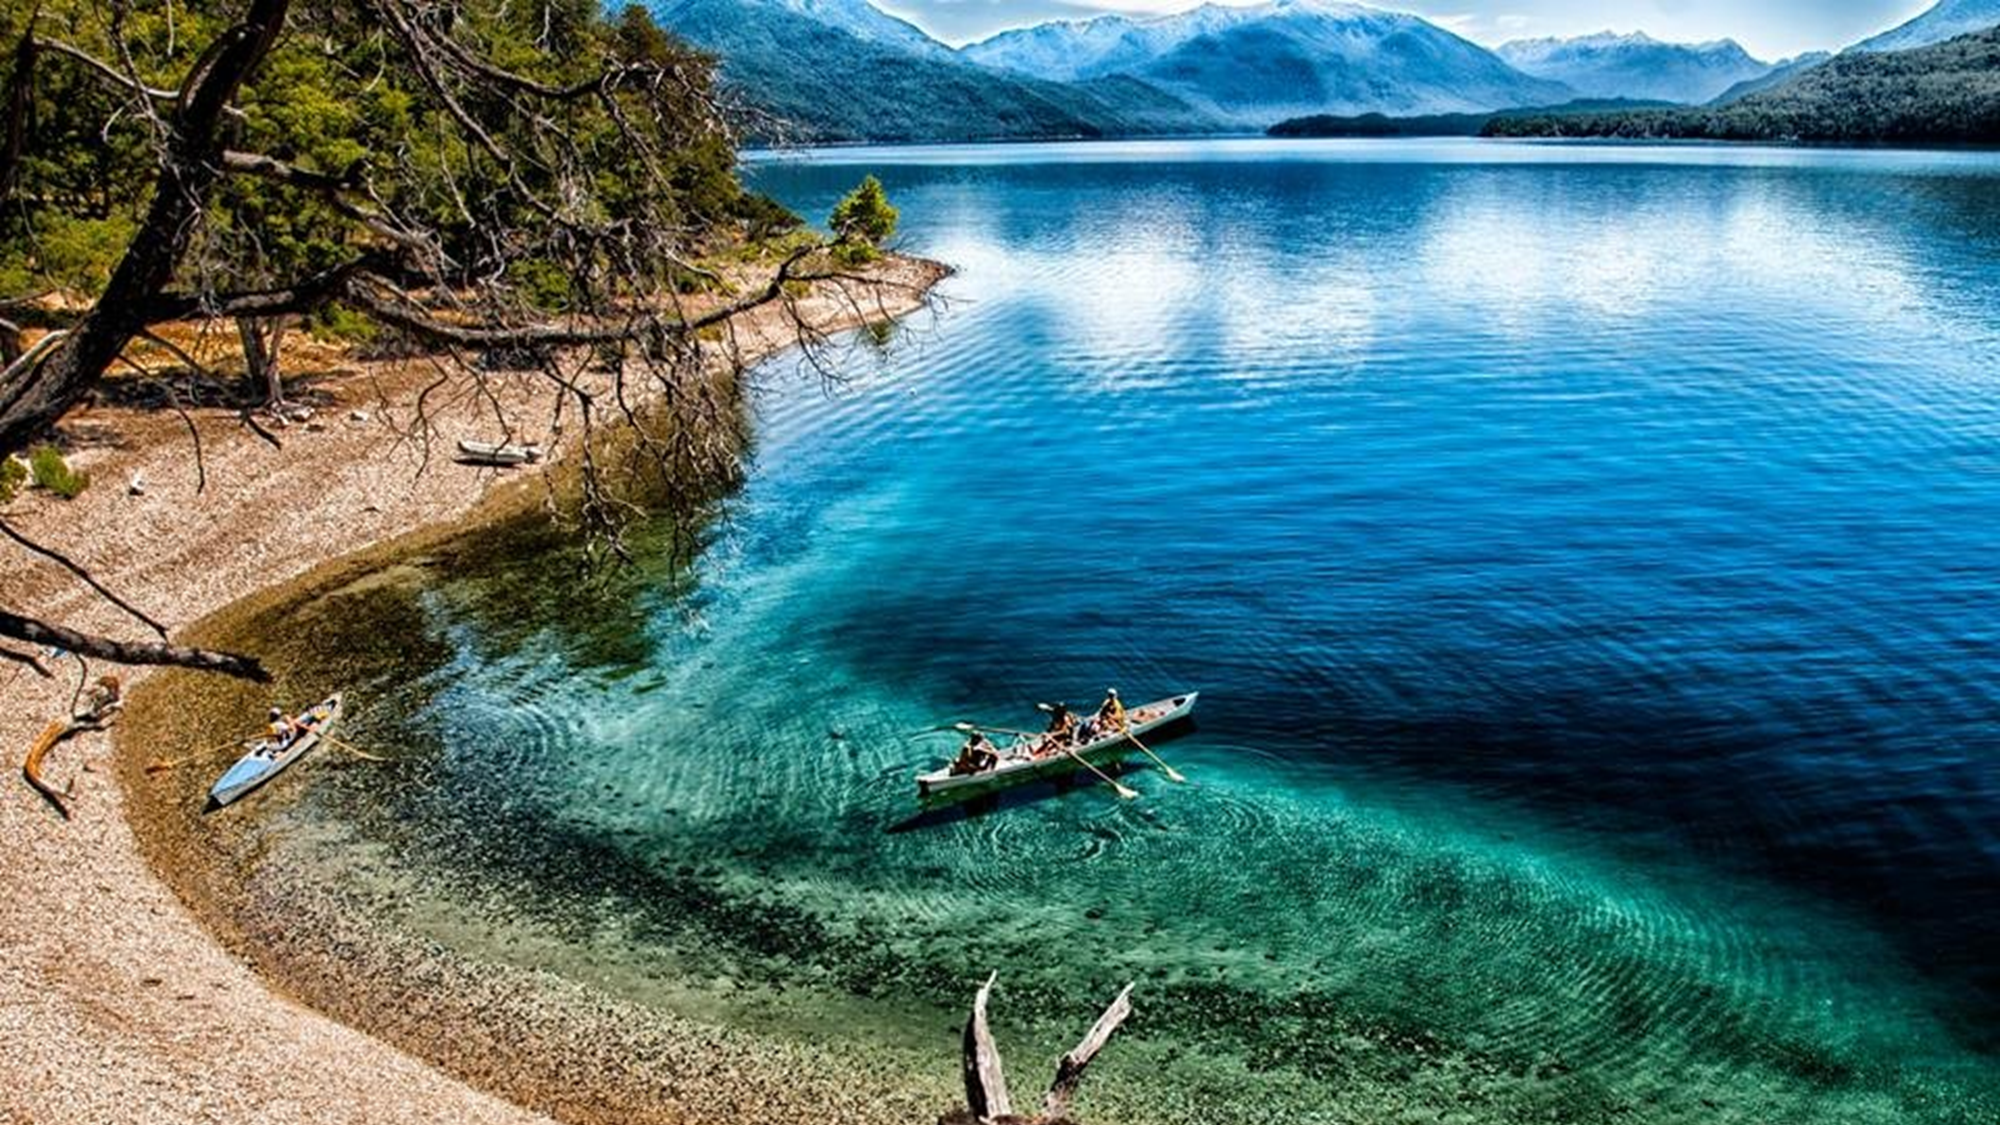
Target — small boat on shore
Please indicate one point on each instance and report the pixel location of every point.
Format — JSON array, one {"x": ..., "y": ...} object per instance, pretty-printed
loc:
[
  {"x": 499, "y": 453},
  {"x": 269, "y": 757},
  {"x": 1027, "y": 760}
]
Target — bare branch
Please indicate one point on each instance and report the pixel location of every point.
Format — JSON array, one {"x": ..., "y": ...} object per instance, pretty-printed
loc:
[
  {"x": 1069, "y": 1072},
  {"x": 985, "y": 1084},
  {"x": 334, "y": 190},
  {"x": 105, "y": 70},
  {"x": 303, "y": 295},
  {"x": 35, "y": 397},
  {"x": 126, "y": 652},
  {"x": 20, "y": 96},
  {"x": 66, "y": 563}
]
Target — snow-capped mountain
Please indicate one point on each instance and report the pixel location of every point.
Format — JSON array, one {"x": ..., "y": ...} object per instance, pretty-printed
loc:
[
  {"x": 1637, "y": 66},
  {"x": 866, "y": 22},
  {"x": 1948, "y": 20},
  {"x": 1256, "y": 65}
]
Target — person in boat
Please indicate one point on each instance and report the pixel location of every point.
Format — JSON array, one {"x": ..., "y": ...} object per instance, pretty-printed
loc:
[
  {"x": 279, "y": 733},
  {"x": 977, "y": 755},
  {"x": 1061, "y": 732},
  {"x": 1110, "y": 713}
]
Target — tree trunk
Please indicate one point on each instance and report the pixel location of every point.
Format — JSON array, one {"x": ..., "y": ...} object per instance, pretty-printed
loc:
[
  {"x": 37, "y": 396},
  {"x": 262, "y": 337}
]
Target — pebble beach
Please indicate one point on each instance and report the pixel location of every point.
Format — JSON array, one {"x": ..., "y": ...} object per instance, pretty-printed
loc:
[{"x": 117, "y": 1002}]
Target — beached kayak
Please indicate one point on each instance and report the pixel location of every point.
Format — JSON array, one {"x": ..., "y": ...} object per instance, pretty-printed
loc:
[
  {"x": 1026, "y": 760},
  {"x": 268, "y": 758},
  {"x": 498, "y": 453}
]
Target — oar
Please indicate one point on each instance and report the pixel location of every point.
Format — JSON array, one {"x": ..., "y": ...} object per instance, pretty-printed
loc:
[
  {"x": 1172, "y": 773},
  {"x": 1117, "y": 787},
  {"x": 968, "y": 728},
  {"x": 163, "y": 764},
  {"x": 1114, "y": 783},
  {"x": 353, "y": 749}
]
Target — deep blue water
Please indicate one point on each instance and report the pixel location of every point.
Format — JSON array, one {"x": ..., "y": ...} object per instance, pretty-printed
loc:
[{"x": 1587, "y": 558}]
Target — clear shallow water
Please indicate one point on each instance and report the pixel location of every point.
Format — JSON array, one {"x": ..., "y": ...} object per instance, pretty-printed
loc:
[{"x": 1585, "y": 556}]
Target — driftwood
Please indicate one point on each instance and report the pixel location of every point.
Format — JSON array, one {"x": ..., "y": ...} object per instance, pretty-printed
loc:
[
  {"x": 31, "y": 767},
  {"x": 105, "y": 703},
  {"x": 986, "y": 1097}
]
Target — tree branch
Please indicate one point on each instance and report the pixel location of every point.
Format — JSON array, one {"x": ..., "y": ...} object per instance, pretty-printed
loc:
[
  {"x": 66, "y": 563},
  {"x": 1069, "y": 1072},
  {"x": 37, "y": 396},
  {"x": 125, "y": 652},
  {"x": 985, "y": 1084},
  {"x": 104, "y": 69},
  {"x": 333, "y": 189},
  {"x": 20, "y": 96},
  {"x": 304, "y": 295}
]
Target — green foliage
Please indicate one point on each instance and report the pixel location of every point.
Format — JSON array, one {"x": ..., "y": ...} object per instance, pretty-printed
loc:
[
  {"x": 765, "y": 218},
  {"x": 336, "y": 323},
  {"x": 50, "y": 471},
  {"x": 542, "y": 284},
  {"x": 862, "y": 221},
  {"x": 13, "y": 474},
  {"x": 1948, "y": 93},
  {"x": 336, "y": 97}
]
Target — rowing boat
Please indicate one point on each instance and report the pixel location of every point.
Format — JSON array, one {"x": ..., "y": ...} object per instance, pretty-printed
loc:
[
  {"x": 499, "y": 453},
  {"x": 268, "y": 758},
  {"x": 1025, "y": 761}
]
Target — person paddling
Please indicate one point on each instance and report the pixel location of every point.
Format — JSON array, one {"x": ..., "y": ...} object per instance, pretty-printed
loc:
[
  {"x": 977, "y": 755},
  {"x": 1111, "y": 713},
  {"x": 1061, "y": 732}
]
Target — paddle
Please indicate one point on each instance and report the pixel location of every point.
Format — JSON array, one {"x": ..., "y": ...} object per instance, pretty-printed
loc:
[
  {"x": 1121, "y": 790},
  {"x": 164, "y": 764},
  {"x": 1172, "y": 773},
  {"x": 353, "y": 749},
  {"x": 1116, "y": 786},
  {"x": 968, "y": 728}
]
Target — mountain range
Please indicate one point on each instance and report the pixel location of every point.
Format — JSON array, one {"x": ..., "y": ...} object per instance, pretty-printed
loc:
[
  {"x": 844, "y": 70},
  {"x": 820, "y": 71},
  {"x": 1943, "y": 93},
  {"x": 1249, "y": 67},
  {"x": 1636, "y": 66},
  {"x": 1949, "y": 19}
]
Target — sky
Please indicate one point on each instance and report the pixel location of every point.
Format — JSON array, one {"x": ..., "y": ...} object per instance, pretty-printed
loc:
[{"x": 1770, "y": 29}]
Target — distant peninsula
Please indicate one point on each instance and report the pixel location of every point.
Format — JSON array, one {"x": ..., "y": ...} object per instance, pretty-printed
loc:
[{"x": 1445, "y": 124}]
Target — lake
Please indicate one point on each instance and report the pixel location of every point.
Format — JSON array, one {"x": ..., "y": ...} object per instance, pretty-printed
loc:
[{"x": 1586, "y": 557}]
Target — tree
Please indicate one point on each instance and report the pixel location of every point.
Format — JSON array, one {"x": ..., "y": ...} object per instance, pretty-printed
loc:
[
  {"x": 863, "y": 220},
  {"x": 529, "y": 179}
]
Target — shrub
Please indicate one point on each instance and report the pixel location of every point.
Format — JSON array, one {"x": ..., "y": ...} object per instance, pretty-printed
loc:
[
  {"x": 863, "y": 221},
  {"x": 12, "y": 474},
  {"x": 50, "y": 471}
]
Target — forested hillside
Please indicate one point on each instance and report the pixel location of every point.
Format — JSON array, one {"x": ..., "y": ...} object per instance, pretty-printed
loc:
[{"x": 813, "y": 82}]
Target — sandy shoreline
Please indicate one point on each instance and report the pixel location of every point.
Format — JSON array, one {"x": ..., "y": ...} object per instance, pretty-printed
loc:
[{"x": 116, "y": 1004}]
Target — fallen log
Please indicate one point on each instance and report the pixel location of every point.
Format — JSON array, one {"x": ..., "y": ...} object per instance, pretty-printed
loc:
[{"x": 986, "y": 1097}]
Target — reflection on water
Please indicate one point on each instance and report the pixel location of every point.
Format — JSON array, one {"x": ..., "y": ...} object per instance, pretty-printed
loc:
[{"x": 1583, "y": 555}]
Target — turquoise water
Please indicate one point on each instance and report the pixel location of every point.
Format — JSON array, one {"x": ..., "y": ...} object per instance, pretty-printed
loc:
[{"x": 1585, "y": 556}]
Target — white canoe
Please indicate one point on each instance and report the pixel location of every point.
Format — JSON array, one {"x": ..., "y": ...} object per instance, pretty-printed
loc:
[
  {"x": 498, "y": 453},
  {"x": 1018, "y": 762},
  {"x": 267, "y": 759}
]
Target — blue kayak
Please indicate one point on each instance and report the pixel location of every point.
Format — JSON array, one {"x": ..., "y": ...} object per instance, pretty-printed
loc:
[{"x": 268, "y": 758}]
